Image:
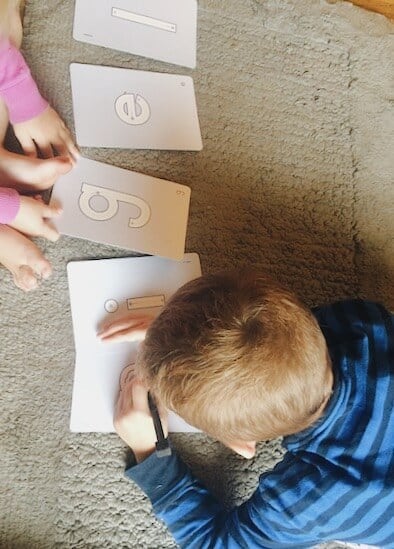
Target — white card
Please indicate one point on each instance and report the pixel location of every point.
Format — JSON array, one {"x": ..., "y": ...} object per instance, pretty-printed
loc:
[
  {"x": 106, "y": 289},
  {"x": 124, "y": 108},
  {"x": 114, "y": 206},
  {"x": 160, "y": 29}
]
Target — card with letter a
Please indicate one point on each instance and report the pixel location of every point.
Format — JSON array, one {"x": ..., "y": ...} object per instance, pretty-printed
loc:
[
  {"x": 129, "y": 109},
  {"x": 160, "y": 29},
  {"x": 108, "y": 289},
  {"x": 114, "y": 206}
]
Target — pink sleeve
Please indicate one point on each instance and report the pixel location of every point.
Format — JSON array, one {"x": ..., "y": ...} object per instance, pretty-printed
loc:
[
  {"x": 9, "y": 205},
  {"x": 17, "y": 87}
]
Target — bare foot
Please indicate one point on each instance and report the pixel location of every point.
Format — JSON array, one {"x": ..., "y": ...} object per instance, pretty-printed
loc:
[
  {"x": 29, "y": 174},
  {"x": 23, "y": 259}
]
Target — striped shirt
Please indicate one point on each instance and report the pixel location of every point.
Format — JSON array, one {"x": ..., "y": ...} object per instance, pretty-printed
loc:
[{"x": 336, "y": 481}]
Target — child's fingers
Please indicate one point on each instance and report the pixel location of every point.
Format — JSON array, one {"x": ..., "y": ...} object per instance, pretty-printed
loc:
[
  {"x": 49, "y": 232},
  {"x": 65, "y": 145},
  {"x": 63, "y": 164},
  {"x": 140, "y": 396},
  {"x": 44, "y": 147},
  {"x": 125, "y": 335},
  {"x": 122, "y": 324},
  {"x": 60, "y": 148},
  {"x": 109, "y": 329},
  {"x": 71, "y": 147},
  {"x": 28, "y": 146},
  {"x": 49, "y": 212},
  {"x": 45, "y": 150}
]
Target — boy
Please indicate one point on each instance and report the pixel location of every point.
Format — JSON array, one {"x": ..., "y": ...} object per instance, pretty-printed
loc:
[{"x": 242, "y": 359}]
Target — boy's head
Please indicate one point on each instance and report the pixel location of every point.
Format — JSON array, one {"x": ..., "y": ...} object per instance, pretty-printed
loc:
[{"x": 238, "y": 357}]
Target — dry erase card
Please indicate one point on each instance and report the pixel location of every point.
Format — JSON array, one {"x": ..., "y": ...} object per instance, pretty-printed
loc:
[
  {"x": 107, "y": 289},
  {"x": 106, "y": 204},
  {"x": 96, "y": 388},
  {"x": 104, "y": 290},
  {"x": 124, "y": 108},
  {"x": 159, "y": 29}
]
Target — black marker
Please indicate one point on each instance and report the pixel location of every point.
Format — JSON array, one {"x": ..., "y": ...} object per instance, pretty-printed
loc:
[{"x": 163, "y": 447}]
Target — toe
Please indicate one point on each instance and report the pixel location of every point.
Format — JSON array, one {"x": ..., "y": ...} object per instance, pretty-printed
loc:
[
  {"x": 43, "y": 268},
  {"x": 25, "y": 279}
]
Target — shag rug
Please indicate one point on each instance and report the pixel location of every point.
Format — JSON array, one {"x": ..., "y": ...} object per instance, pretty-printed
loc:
[{"x": 296, "y": 176}]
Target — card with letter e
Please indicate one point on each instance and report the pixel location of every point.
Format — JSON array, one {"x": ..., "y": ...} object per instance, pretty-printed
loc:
[
  {"x": 129, "y": 109},
  {"x": 105, "y": 290},
  {"x": 114, "y": 206},
  {"x": 160, "y": 29}
]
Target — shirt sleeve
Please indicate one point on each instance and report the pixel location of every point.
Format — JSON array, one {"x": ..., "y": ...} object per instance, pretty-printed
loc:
[
  {"x": 296, "y": 505},
  {"x": 197, "y": 520},
  {"x": 17, "y": 86},
  {"x": 9, "y": 205}
]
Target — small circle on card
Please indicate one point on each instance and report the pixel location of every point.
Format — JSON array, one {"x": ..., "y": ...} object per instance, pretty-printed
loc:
[{"x": 111, "y": 305}]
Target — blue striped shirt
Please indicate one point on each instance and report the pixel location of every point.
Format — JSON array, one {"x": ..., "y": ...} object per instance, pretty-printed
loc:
[{"x": 336, "y": 481}]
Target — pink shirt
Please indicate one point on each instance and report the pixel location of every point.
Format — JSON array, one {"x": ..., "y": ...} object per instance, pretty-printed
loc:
[
  {"x": 17, "y": 87},
  {"x": 9, "y": 205}
]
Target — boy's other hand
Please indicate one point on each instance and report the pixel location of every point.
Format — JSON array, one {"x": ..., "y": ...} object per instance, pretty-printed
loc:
[
  {"x": 33, "y": 218},
  {"x": 133, "y": 421},
  {"x": 125, "y": 329},
  {"x": 47, "y": 134}
]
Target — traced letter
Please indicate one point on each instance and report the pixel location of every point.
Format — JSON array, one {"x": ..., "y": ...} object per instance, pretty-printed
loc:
[
  {"x": 112, "y": 198},
  {"x": 132, "y": 109}
]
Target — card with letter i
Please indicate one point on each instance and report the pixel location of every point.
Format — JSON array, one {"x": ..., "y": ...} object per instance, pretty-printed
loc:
[
  {"x": 161, "y": 29},
  {"x": 114, "y": 206},
  {"x": 129, "y": 109}
]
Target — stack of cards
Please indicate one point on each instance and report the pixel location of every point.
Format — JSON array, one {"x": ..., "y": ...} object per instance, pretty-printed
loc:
[
  {"x": 137, "y": 109},
  {"x": 126, "y": 108},
  {"x": 131, "y": 109}
]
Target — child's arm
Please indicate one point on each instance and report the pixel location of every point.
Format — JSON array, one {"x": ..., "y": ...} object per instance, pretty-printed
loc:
[
  {"x": 133, "y": 421},
  {"x": 196, "y": 518},
  {"x": 9, "y": 205},
  {"x": 26, "y": 214},
  {"x": 36, "y": 124},
  {"x": 17, "y": 87},
  {"x": 129, "y": 328},
  {"x": 298, "y": 504}
]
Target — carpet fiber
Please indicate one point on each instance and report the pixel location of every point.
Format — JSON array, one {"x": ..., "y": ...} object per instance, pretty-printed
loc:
[{"x": 296, "y": 108}]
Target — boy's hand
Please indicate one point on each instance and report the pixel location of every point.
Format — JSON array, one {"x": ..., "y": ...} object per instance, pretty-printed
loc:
[
  {"x": 46, "y": 133},
  {"x": 125, "y": 329},
  {"x": 33, "y": 218},
  {"x": 133, "y": 421}
]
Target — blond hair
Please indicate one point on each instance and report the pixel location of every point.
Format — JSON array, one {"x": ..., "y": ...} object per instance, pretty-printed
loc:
[{"x": 237, "y": 356}]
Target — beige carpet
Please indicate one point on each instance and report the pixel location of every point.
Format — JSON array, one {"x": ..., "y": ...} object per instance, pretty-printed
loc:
[{"x": 296, "y": 176}]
